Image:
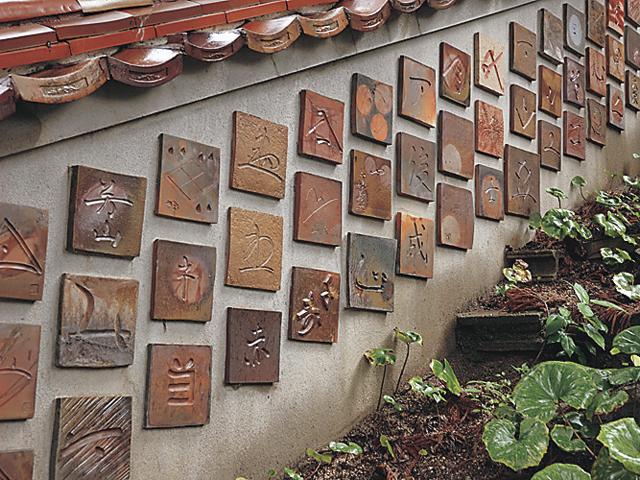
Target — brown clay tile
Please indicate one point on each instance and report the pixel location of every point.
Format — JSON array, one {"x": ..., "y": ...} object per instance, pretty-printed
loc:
[
  {"x": 213, "y": 46},
  {"x": 323, "y": 25},
  {"x": 88, "y": 44},
  {"x": 12, "y": 10},
  {"x": 93, "y": 6},
  {"x": 25, "y": 36},
  {"x": 165, "y": 12},
  {"x": 7, "y": 99},
  {"x": 189, "y": 24},
  {"x": 215, "y": 6},
  {"x": 256, "y": 11},
  {"x": 90, "y": 25},
  {"x": 34, "y": 55},
  {"x": 406, "y": 6},
  {"x": 145, "y": 67},
  {"x": 270, "y": 36},
  {"x": 295, "y": 4},
  {"x": 367, "y": 15}
]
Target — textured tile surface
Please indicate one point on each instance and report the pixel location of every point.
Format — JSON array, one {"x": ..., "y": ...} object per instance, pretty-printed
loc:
[
  {"x": 632, "y": 91},
  {"x": 549, "y": 145},
  {"x": 550, "y": 33},
  {"x": 370, "y": 189},
  {"x": 596, "y": 21},
  {"x": 615, "y": 58},
  {"x": 615, "y": 15},
  {"x": 574, "y": 135},
  {"x": 596, "y": 122},
  {"x": 550, "y": 93},
  {"x": 522, "y": 46},
  {"x": 489, "y": 129},
  {"x": 454, "y": 216},
  {"x": 615, "y": 107},
  {"x": 416, "y": 167},
  {"x": 371, "y": 109},
  {"x": 490, "y": 74},
  {"x": 574, "y": 78},
  {"x": 596, "y": 72},
  {"x": 489, "y": 193},
  {"x": 455, "y": 145},
  {"x": 455, "y": 75},
  {"x": 17, "y": 465},
  {"x": 321, "y": 126},
  {"x": 522, "y": 182},
  {"x": 317, "y": 214},
  {"x": 416, "y": 245},
  {"x": 522, "y": 118},
  {"x": 417, "y": 92}
]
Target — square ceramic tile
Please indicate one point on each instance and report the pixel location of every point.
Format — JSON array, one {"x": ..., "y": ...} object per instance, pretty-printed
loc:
[
  {"x": 550, "y": 92},
  {"x": 632, "y": 91},
  {"x": 615, "y": 15},
  {"x": 455, "y": 75},
  {"x": 489, "y": 193},
  {"x": 521, "y": 181},
  {"x": 455, "y": 145},
  {"x": 317, "y": 216},
  {"x": 596, "y": 21},
  {"x": 417, "y": 92},
  {"x": 596, "y": 72},
  {"x": 632, "y": 9},
  {"x": 573, "y": 88},
  {"x": 632, "y": 46},
  {"x": 454, "y": 216},
  {"x": 550, "y": 34},
  {"x": 596, "y": 122},
  {"x": 574, "y": 135},
  {"x": 574, "y": 29},
  {"x": 370, "y": 189},
  {"x": 523, "y": 112},
  {"x": 615, "y": 58},
  {"x": 415, "y": 167},
  {"x": 371, "y": 109},
  {"x": 416, "y": 246},
  {"x": 321, "y": 127},
  {"x": 17, "y": 464},
  {"x": 615, "y": 107},
  {"x": 489, "y": 129},
  {"x": 490, "y": 74},
  {"x": 549, "y": 145},
  {"x": 522, "y": 43}
]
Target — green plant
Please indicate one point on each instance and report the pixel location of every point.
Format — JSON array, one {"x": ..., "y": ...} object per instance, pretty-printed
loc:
[
  {"x": 517, "y": 273},
  {"x": 447, "y": 375},
  {"x": 408, "y": 337},
  {"x": 353, "y": 448},
  {"x": 292, "y": 474},
  {"x": 380, "y": 357},
  {"x": 624, "y": 282},
  {"x": 556, "y": 192},
  {"x": 609, "y": 257},
  {"x": 392, "y": 401},
  {"x": 384, "y": 441},
  {"x": 490, "y": 394},
  {"x": 559, "y": 222},
  {"x": 580, "y": 182}
]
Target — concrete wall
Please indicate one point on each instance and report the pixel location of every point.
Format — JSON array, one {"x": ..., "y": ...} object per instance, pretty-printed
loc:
[{"x": 323, "y": 389}]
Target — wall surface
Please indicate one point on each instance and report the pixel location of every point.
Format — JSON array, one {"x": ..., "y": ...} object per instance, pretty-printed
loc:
[{"x": 323, "y": 389}]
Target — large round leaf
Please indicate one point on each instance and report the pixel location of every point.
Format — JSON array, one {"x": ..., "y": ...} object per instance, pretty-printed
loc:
[
  {"x": 622, "y": 438},
  {"x": 621, "y": 376},
  {"x": 563, "y": 437},
  {"x": 516, "y": 453},
  {"x": 628, "y": 341},
  {"x": 606, "y": 468},
  {"x": 562, "y": 471},
  {"x": 549, "y": 383}
]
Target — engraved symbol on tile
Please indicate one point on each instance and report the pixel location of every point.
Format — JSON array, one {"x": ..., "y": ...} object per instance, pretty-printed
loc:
[
  {"x": 191, "y": 179},
  {"x": 255, "y": 254},
  {"x": 256, "y": 345},
  {"x": 574, "y": 134},
  {"x": 317, "y": 203},
  {"x": 378, "y": 280},
  {"x": 551, "y": 147},
  {"x": 87, "y": 443},
  {"x": 424, "y": 85},
  {"x": 370, "y": 170},
  {"x": 260, "y": 159},
  {"x": 633, "y": 91},
  {"x": 491, "y": 189},
  {"x": 524, "y": 115},
  {"x": 416, "y": 243},
  {"x": 596, "y": 122},
  {"x": 490, "y": 64},
  {"x": 182, "y": 381},
  {"x": 575, "y": 80},
  {"x": 15, "y": 254},
  {"x": 523, "y": 183},
  {"x": 419, "y": 161},
  {"x": 455, "y": 74},
  {"x": 107, "y": 203},
  {"x": 21, "y": 377},
  {"x": 186, "y": 276},
  {"x": 322, "y": 130},
  {"x": 308, "y": 316},
  {"x": 617, "y": 108}
]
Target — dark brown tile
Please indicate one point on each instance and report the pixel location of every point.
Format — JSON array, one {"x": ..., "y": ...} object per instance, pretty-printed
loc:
[
  {"x": 145, "y": 67},
  {"x": 574, "y": 29},
  {"x": 596, "y": 20},
  {"x": 522, "y": 43},
  {"x": 22, "y": 10},
  {"x": 213, "y": 46},
  {"x": 522, "y": 118},
  {"x": 489, "y": 129},
  {"x": 549, "y": 145},
  {"x": 273, "y": 35},
  {"x": 325, "y": 24},
  {"x": 596, "y": 122},
  {"x": 17, "y": 464},
  {"x": 521, "y": 181},
  {"x": 26, "y": 36},
  {"x": 632, "y": 91},
  {"x": 371, "y": 109},
  {"x": 550, "y": 34},
  {"x": 255, "y": 11},
  {"x": 416, "y": 246},
  {"x": 181, "y": 26},
  {"x": 366, "y": 15},
  {"x": 89, "y": 25},
  {"x": 574, "y": 135},
  {"x": 35, "y": 55},
  {"x": 417, "y": 92},
  {"x": 216, "y": 6},
  {"x": 317, "y": 214},
  {"x": 165, "y": 12},
  {"x": 596, "y": 72},
  {"x": 550, "y": 93},
  {"x": 615, "y": 15},
  {"x": 615, "y": 58},
  {"x": 489, "y": 193},
  {"x": 454, "y": 216},
  {"x": 406, "y": 6},
  {"x": 490, "y": 73},
  {"x": 98, "y": 42},
  {"x": 321, "y": 127},
  {"x": 415, "y": 167},
  {"x": 455, "y": 75},
  {"x": 632, "y": 9},
  {"x": 632, "y": 47},
  {"x": 455, "y": 145},
  {"x": 370, "y": 188},
  {"x": 296, "y": 4},
  {"x": 573, "y": 88},
  {"x": 615, "y": 107}
]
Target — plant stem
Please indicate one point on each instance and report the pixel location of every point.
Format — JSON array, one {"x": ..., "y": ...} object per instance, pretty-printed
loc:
[
  {"x": 402, "y": 371},
  {"x": 384, "y": 374},
  {"x": 577, "y": 435}
]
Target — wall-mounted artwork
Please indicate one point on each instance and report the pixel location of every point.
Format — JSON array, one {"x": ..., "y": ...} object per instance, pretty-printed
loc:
[
  {"x": 522, "y": 181},
  {"x": 371, "y": 109},
  {"x": 489, "y": 129},
  {"x": 321, "y": 127},
  {"x": 417, "y": 92},
  {"x": 489, "y": 72},
  {"x": 632, "y": 91},
  {"x": 254, "y": 250},
  {"x": 596, "y": 21},
  {"x": 259, "y": 156},
  {"x": 455, "y": 145},
  {"x": 189, "y": 180},
  {"x": 182, "y": 281},
  {"x": 370, "y": 189},
  {"x": 17, "y": 464},
  {"x": 550, "y": 34},
  {"x": 106, "y": 212},
  {"x": 632, "y": 9},
  {"x": 314, "y": 307},
  {"x": 178, "y": 386},
  {"x": 574, "y": 135},
  {"x": 416, "y": 246},
  {"x": 549, "y": 145},
  {"x": 253, "y": 346},
  {"x": 615, "y": 107},
  {"x": 23, "y": 238},
  {"x": 455, "y": 75},
  {"x": 615, "y": 58},
  {"x": 489, "y": 193},
  {"x": 632, "y": 47},
  {"x": 550, "y": 93},
  {"x": 615, "y": 15},
  {"x": 596, "y": 122},
  {"x": 522, "y": 118},
  {"x": 97, "y": 322},
  {"x": 596, "y": 72},
  {"x": 574, "y": 29},
  {"x": 573, "y": 88},
  {"x": 415, "y": 167},
  {"x": 317, "y": 216},
  {"x": 522, "y": 46},
  {"x": 371, "y": 272},
  {"x": 454, "y": 216}
]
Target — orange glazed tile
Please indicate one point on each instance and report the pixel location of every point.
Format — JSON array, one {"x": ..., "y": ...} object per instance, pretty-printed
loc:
[
  {"x": 34, "y": 55},
  {"x": 215, "y": 6},
  {"x": 165, "y": 12},
  {"x": 256, "y": 11},
  {"x": 23, "y": 9},
  {"x": 25, "y": 36},
  {"x": 93, "y": 25},
  {"x": 88, "y": 44},
  {"x": 189, "y": 24}
]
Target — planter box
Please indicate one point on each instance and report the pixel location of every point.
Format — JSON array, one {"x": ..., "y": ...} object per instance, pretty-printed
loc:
[
  {"x": 500, "y": 331},
  {"x": 543, "y": 264}
]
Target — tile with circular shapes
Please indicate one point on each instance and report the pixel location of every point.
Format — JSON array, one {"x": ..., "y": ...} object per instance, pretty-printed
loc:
[
  {"x": 522, "y": 118},
  {"x": 632, "y": 9},
  {"x": 574, "y": 135},
  {"x": 596, "y": 72},
  {"x": 317, "y": 216},
  {"x": 489, "y": 71},
  {"x": 615, "y": 107},
  {"x": 416, "y": 246},
  {"x": 455, "y": 145},
  {"x": 550, "y": 93},
  {"x": 596, "y": 122},
  {"x": 574, "y": 29},
  {"x": 321, "y": 126},
  {"x": 632, "y": 47},
  {"x": 415, "y": 167},
  {"x": 522, "y": 46},
  {"x": 550, "y": 34},
  {"x": 455, "y": 75},
  {"x": 522, "y": 181},
  {"x": 573, "y": 85},
  {"x": 615, "y": 15},
  {"x": 596, "y": 21},
  {"x": 454, "y": 216},
  {"x": 371, "y": 109},
  {"x": 615, "y": 58},
  {"x": 489, "y": 129},
  {"x": 549, "y": 145},
  {"x": 632, "y": 91},
  {"x": 370, "y": 188},
  {"x": 417, "y": 92},
  {"x": 489, "y": 193},
  {"x": 17, "y": 464}
]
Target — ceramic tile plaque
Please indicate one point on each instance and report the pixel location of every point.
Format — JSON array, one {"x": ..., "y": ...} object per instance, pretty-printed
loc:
[
  {"x": 522, "y": 119},
  {"x": 632, "y": 9},
  {"x": 321, "y": 127},
  {"x": 317, "y": 216},
  {"x": 91, "y": 438},
  {"x": 455, "y": 75},
  {"x": 371, "y": 109},
  {"x": 574, "y": 29},
  {"x": 454, "y": 216},
  {"x": 573, "y": 88},
  {"x": 19, "y": 351},
  {"x": 182, "y": 281},
  {"x": 574, "y": 135},
  {"x": 178, "y": 386},
  {"x": 489, "y": 129},
  {"x": 596, "y": 122},
  {"x": 522, "y": 42},
  {"x": 615, "y": 58},
  {"x": 417, "y": 92},
  {"x": 97, "y": 322},
  {"x": 189, "y": 180},
  {"x": 455, "y": 145},
  {"x": 550, "y": 93},
  {"x": 521, "y": 182},
  {"x": 632, "y": 91},
  {"x": 253, "y": 346},
  {"x": 259, "y": 156},
  {"x": 489, "y": 64},
  {"x": 254, "y": 250},
  {"x": 596, "y": 72},
  {"x": 370, "y": 189},
  {"x": 596, "y": 20},
  {"x": 615, "y": 107},
  {"x": 105, "y": 212},
  {"x": 632, "y": 47},
  {"x": 416, "y": 246},
  {"x": 16, "y": 465},
  {"x": 371, "y": 272},
  {"x": 550, "y": 34},
  {"x": 314, "y": 306},
  {"x": 415, "y": 167},
  {"x": 489, "y": 193},
  {"x": 615, "y": 15},
  {"x": 549, "y": 145},
  {"x": 23, "y": 251}
]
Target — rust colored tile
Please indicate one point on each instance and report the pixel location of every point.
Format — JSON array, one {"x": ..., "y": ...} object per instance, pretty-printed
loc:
[
  {"x": 417, "y": 92},
  {"x": 23, "y": 238},
  {"x": 573, "y": 85},
  {"x": 317, "y": 214},
  {"x": 17, "y": 464},
  {"x": 321, "y": 127},
  {"x": 296, "y": 4},
  {"x": 596, "y": 122},
  {"x": 178, "y": 386},
  {"x": 105, "y": 212},
  {"x": 454, "y": 217},
  {"x": 574, "y": 135},
  {"x": 367, "y": 15},
  {"x": 596, "y": 72},
  {"x": 26, "y": 36},
  {"x": 271, "y": 36},
  {"x": 455, "y": 75},
  {"x": 314, "y": 307},
  {"x": 34, "y": 55},
  {"x": 189, "y": 180},
  {"x": 596, "y": 20},
  {"x": 455, "y": 145},
  {"x": 89, "y": 25},
  {"x": 20, "y": 347},
  {"x": 574, "y": 29},
  {"x": 615, "y": 107},
  {"x": 615, "y": 58},
  {"x": 254, "y": 250},
  {"x": 89, "y": 44},
  {"x": 255, "y": 11},
  {"x": 370, "y": 188},
  {"x": 371, "y": 272},
  {"x": 522, "y": 118},
  {"x": 324, "y": 25},
  {"x": 632, "y": 47},
  {"x": 95, "y": 6},
  {"x": 97, "y": 322},
  {"x": 371, "y": 109},
  {"x": 216, "y": 6},
  {"x": 551, "y": 40},
  {"x": 550, "y": 94},
  {"x": 441, "y": 4},
  {"x": 632, "y": 91},
  {"x": 489, "y": 129},
  {"x": 416, "y": 246},
  {"x": 26, "y": 9},
  {"x": 522, "y": 181},
  {"x": 165, "y": 12},
  {"x": 204, "y": 21},
  {"x": 406, "y": 6},
  {"x": 259, "y": 156},
  {"x": 145, "y": 67},
  {"x": 91, "y": 435},
  {"x": 213, "y": 46},
  {"x": 632, "y": 9},
  {"x": 253, "y": 346},
  {"x": 549, "y": 145},
  {"x": 416, "y": 167},
  {"x": 7, "y": 99},
  {"x": 522, "y": 45},
  {"x": 615, "y": 15},
  {"x": 490, "y": 63},
  {"x": 489, "y": 193}
]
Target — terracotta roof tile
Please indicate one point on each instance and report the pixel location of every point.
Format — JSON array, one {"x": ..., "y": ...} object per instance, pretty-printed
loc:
[
  {"x": 88, "y": 44},
  {"x": 90, "y": 25},
  {"x": 14, "y": 10},
  {"x": 214, "y": 6},
  {"x": 34, "y": 55},
  {"x": 213, "y": 46},
  {"x": 295, "y": 4},
  {"x": 93, "y": 6},
  {"x": 25, "y": 36},
  {"x": 165, "y": 12},
  {"x": 256, "y": 11},
  {"x": 190, "y": 24}
]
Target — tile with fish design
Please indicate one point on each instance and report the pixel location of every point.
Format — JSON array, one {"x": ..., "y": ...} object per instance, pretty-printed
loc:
[
  {"x": 615, "y": 107},
  {"x": 574, "y": 135},
  {"x": 415, "y": 167},
  {"x": 615, "y": 58},
  {"x": 522, "y": 43},
  {"x": 455, "y": 145},
  {"x": 596, "y": 122},
  {"x": 521, "y": 181},
  {"x": 321, "y": 126},
  {"x": 573, "y": 85},
  {"x": 454, "y": 216},
  {"x": 632, "y": 91},
  {"x": 550, "y": 92},
  {"x": 632, "y": 10},
  {"x": 317, "y": 216},
  {"x": 489, "y": 71},
  {"x": 632, "y": 47},
  {"x": 417, "y": 92},
  {"x": 596, "y": 72},
  {"x": 416, "y": 245},
  {"x": 549, "y": 145},
  {"x": 574, "y": 29},
  {"x": 371, "y": 109},
  {"x": 455, "y": 75},
  {"x": 370, "y": 188},
  {"x": 17, "y": 464},
  {"x": 615, "y": 15},
  {"x": 550, "y": 34},
  {"x": 489, "y": 129},
  {"x": 522, "y": 118},
  {"x": 596, "y": 21},
  {"x": 489, "y": 193}
]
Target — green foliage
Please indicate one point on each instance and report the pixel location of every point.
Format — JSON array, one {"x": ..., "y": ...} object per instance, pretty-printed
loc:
[
  {"x": 562, "y": 471},
  {"x": 392, "y": 401},
  {"x": 517, "y": 273},
  {"x": 446, "y": 374},
  {"x": 408, "y": 336},
  {"x": 622, "y": 439},
  {"x": 428, "y": 390},
  {"x": 320, "y": 457},
  {"x": 353, "y": 448},
  {"x": 624, "y": 285},
  {"x": 293, "y": 474},
  {"x": 490, "y": 394},
  {"x": 563, "y": 435},
  {"x": 517, "y": 453},
  {"x": 384, "y": 441},
  {"x": 627, "y": 341},
  {"x": 556, "y": 192},
  {"x": 380, "y": 357},
  {"x": 606, "y": 468},
  {"x": 609, "y": 257},
  {"x": 559, "y": 223}
]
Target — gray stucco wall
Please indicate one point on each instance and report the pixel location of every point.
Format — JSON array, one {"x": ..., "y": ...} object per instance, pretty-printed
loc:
[{"x": 323, "y": 389}]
